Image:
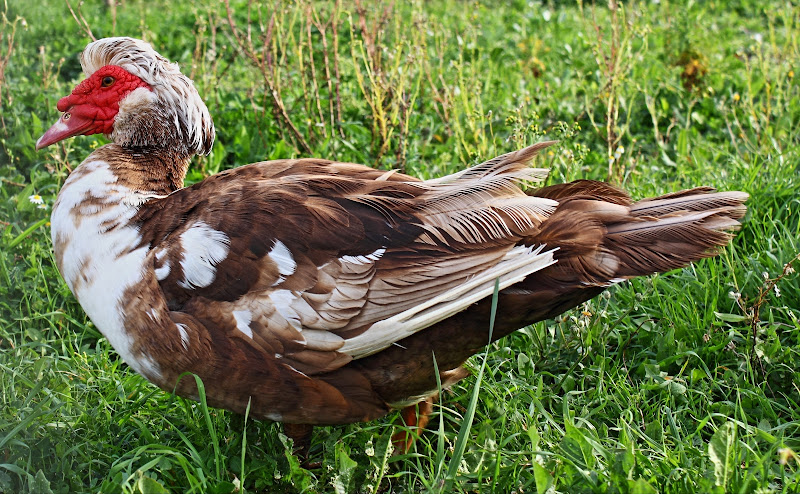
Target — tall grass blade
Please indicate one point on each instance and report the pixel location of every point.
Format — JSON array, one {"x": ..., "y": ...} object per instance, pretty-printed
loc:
[{"x": 466, "y": 425}]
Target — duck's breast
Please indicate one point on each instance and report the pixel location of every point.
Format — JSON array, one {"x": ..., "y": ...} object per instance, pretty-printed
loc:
[{"x": 99, "y": 251}]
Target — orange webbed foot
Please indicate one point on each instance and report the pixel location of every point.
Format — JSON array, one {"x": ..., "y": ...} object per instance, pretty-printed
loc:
[{"x": 416, "y": 418}]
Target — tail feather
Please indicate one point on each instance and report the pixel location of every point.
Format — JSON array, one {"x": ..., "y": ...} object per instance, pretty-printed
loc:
[
  {"x": 602, "y": 241},
  {"x": 700, "y": 199},
  {"x": 669, "y": 232},
  {"x": 602, "y": 237}
]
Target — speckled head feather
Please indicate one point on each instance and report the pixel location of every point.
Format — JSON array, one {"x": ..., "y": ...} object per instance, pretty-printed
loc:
[{"x": 175, "y": 92}]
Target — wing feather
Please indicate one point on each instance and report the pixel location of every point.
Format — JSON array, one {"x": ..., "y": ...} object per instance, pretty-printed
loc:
[{"x": 315, "y": 263}]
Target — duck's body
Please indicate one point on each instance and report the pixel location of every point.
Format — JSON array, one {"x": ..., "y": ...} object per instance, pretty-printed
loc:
[
  {"x": 280, "y": 272},
  {"x": 317, "y": 292}
]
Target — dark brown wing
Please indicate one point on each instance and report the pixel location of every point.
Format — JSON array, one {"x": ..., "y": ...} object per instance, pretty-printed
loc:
[
  {"x": 297, "y": 268},
  {"x": 255, "y": 206}
]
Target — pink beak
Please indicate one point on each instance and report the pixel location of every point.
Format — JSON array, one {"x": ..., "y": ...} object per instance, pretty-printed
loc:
[{"x": 68, "y": 125}]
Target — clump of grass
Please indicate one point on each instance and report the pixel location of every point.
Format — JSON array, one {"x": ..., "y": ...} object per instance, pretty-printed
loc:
[
  {"x": 616, "y": 48},
  {"x": 6, "y": 49}
]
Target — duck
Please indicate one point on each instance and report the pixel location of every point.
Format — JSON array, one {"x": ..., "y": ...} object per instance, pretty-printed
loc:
[{"x": 314, "y": 292}]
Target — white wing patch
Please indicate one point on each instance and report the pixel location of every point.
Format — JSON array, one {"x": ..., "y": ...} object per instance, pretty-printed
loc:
[
  {"x": 184, "y": 335},
  {"x": 243, "y": 320},
  {"x": 611, "y": 282},
  {"x": 163, "y": 271},
  {"x": 203, "y": 249},
  {"x": 281, "y": 256},
  {"x": 366, "y": 259},
  {"x": 154, "y": 314}
]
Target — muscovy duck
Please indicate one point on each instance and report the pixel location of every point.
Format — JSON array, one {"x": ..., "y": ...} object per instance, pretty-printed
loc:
[{"x": 315, "y": 291}]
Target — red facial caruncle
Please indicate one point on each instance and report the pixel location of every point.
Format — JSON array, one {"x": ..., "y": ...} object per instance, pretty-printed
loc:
[{"x": 93, "y": 105}]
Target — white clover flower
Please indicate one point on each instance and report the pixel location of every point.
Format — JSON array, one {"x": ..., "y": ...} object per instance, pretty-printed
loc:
[
  {"x": 786, "y": 453},
  {"x": 36, "y": 199}
]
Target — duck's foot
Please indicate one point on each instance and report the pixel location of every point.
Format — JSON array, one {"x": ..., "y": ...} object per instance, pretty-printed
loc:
[
  {"x": 300, "y": 434},
  {"x": 415, "y": 417}
]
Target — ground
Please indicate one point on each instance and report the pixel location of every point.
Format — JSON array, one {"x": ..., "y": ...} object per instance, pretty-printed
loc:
[{"x": 683, "y": 382}]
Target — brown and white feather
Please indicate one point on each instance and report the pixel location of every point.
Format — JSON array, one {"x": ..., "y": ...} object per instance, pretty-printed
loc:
[{"x": 319, "y": 292}]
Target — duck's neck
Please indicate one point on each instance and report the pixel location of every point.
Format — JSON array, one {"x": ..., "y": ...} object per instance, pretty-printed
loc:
[{"x": 149, "y": 170}]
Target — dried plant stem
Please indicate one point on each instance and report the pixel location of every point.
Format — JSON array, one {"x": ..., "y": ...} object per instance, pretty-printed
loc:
[
  {"x": 263, "y": 63},
  {"x": 81, "y": 20},
  {"x": 323, "y": 30},
  {"x": 5, "y": 57},
  {"x": 313, "y": 67},
  {"x": 755, "y": 310},
  {"x": 336, "y": 72},
  {"x": 380, "y": 94},
  {"x": 612, "y": 105},
  {"x": 614, "y": 59},
  {"x": 112, "y": 5}
]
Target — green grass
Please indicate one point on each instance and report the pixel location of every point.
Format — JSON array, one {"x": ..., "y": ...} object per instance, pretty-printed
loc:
[{"x": 671, "y": 383}]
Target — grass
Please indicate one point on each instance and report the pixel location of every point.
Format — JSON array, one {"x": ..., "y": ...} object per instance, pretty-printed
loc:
[{"x": 684, "y": 382}]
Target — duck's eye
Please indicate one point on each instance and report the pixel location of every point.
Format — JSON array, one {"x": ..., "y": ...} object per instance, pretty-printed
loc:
[{"x": 107, "y": 81}]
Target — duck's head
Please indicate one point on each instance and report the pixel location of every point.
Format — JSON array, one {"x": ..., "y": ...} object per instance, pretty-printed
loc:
[{"x": 138, "y": 98}]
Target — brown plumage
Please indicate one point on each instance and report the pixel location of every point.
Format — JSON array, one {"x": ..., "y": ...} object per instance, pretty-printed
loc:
[{"x": 318, "y": 291}]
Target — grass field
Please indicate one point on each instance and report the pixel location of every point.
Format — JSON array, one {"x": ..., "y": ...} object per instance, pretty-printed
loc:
[{"x": 683, "y": 382}]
